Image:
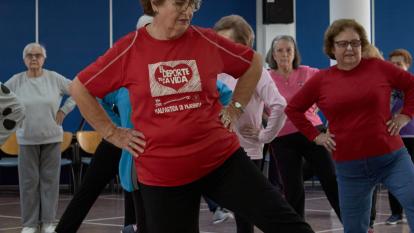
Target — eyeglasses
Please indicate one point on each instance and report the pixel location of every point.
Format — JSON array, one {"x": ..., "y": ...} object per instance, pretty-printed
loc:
[
  {"x": 184, "y": 4},
  {"x": 346, "y": 43},
  {"x": 34, "y": 55}
]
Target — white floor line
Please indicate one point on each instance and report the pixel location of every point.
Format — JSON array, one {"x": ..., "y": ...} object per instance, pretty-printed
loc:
[
  {"x": 102, "y": 219},
  {"x": 315, "y": 198},
  {"x": 119, "y": 225},
  {"x": 10, "y": 228},
  {"x": 10, "y": 203},
  {"x": 313, "y": 210},
  {"x": 66, "y": 199},
  {"x": 330, "y": 230},
  {"x": 340, "y": 229},
  {"x": 112, "y": 198},
  {"x": 12, "y": 217},
  {"x": 104, "y": 224}
]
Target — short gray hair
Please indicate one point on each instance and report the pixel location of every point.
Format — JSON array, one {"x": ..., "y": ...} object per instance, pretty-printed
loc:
[{"x": 32, "y": 45}]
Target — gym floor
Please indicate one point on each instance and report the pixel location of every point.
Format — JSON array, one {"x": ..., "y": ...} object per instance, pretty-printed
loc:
[{"x": 107, "y": 214}]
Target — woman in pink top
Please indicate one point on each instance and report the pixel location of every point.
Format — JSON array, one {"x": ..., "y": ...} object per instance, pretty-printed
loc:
[
  {"x": 290, "y": 148},
  {"x": 252, "y": 135},
  {"x": 363, "y": 134}
]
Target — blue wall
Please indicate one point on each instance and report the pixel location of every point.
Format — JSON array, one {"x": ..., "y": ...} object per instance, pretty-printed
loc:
[
  {"x": 76, "y": 32},
  {"x": 17, "y": 27},
  {"x": 312, "y": 19},
  {"x": 394, "y": 28}
]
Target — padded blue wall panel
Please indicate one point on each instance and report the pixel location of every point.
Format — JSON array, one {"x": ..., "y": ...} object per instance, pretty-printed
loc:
[
  {"x": 211, "y": 11},
  {"x": 74, "y": 33},
  {"x": 17, "y": 27},
  {"x": 394, "y": 27},
  {"x": 126, "y": 13},
  {"x": 125, "y": 16},
  {"x": 312, "y": 19}
]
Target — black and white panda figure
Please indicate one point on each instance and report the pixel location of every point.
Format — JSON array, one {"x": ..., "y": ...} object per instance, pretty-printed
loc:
[{"x": 11, "y": 113}]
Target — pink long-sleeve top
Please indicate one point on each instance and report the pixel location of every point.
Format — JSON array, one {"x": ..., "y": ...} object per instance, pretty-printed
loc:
[
  {"x": 288, "y": 87},
  {"x": 357, "y": 105},
  {"x": 266, "y": 96}
]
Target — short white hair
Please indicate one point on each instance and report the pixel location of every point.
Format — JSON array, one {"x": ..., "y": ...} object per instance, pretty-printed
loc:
[
  {"x": 31, "y": 46},
  {"x": 144, "y": 20}
]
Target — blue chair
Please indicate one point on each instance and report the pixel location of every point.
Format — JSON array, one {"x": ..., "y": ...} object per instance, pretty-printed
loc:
[{"x": 66, "y": 144}]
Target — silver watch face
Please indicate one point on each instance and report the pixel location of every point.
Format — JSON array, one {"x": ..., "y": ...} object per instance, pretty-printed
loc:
[{"x": 237, "y": 105}]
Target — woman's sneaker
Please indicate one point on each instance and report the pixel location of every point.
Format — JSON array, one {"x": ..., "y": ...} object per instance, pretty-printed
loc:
[
  {"x": 221, "y": 215},
  {"x": 394, "y": 219},
  {"x": 130, "y": 229},
  {"x": 48, "y": 228},
  {"x": 30, "y": 230}
]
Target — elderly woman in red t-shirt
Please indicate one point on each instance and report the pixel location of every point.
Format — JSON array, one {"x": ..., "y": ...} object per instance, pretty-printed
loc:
[
  {"x": 363, "y": 135},
  {"x": 170, "y": 69}
]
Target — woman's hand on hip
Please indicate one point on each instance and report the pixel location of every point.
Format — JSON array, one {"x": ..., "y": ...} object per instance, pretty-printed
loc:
[
  {"x": 60, "y": 116},
  {"x": 229, "y": 116},
  {"x": 397, "y": 123},
  {"x": 251, "y": 132},
  {"x": 326, "y": 140},
  {"x": 128, "y": 139}
]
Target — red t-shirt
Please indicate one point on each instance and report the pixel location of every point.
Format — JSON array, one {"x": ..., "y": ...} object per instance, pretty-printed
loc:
[
  {"x": 174, "y": 98},
  {"x": 357, "y": 105}
]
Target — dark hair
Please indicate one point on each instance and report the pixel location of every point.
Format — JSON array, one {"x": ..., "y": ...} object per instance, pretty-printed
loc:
[
  {"x": 408, "y": 59},
  {"x": 242, "y": 32},
  {"x": 339, "y": 26},
  {"x": 148, "y": 10},
  {"x": 269, "y": 56}
]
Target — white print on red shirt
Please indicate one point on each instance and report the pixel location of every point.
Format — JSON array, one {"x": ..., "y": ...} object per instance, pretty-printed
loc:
[{"x": 171, "y": 78}]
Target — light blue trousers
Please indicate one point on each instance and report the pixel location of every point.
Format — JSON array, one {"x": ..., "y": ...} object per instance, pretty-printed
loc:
[{"x": 357, "y": 179}]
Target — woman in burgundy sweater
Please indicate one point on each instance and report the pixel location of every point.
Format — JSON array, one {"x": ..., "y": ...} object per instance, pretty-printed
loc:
[{"x": 363, "y": 135}]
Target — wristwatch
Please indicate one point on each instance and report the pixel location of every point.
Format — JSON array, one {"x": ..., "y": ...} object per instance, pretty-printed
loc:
[{"x": 238, "y": 106}]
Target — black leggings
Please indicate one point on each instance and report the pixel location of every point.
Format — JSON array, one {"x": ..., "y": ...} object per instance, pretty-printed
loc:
[
  {"x": 103, "y": 168},
  {"x": 289, "y": 152},
  {"x": 244, "y": 226},
  {"x": 237, "y": 185}
]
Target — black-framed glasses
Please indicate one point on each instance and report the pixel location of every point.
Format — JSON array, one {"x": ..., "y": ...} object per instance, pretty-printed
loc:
[
  {"x": 346, "y": 43},
  {"x": 184, "y": 4},
  {"x": 34, "y": 55}
]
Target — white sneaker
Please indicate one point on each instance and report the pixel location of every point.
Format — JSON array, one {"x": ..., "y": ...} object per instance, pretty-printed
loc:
[
  {"x": 29, "y": 230},
  {"x": 48, "y": 228},
  {"x": 221, "y": 215}
]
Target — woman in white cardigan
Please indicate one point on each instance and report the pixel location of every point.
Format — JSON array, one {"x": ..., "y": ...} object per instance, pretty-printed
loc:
[{"x": 249, "y": 128}]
